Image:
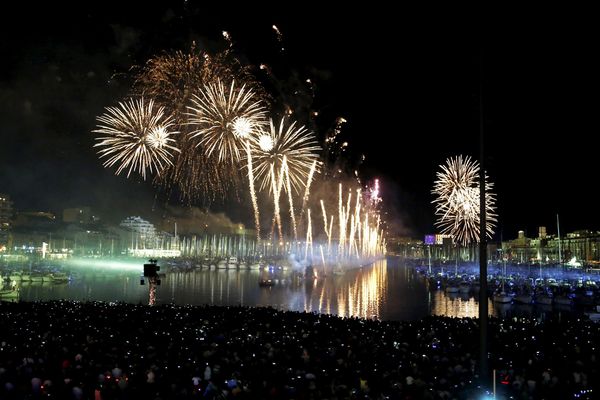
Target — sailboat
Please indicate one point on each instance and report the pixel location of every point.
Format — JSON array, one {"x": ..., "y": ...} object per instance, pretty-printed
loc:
[
  {"x": 559, "y": 248},
  {"x": 502, "y": 297}
]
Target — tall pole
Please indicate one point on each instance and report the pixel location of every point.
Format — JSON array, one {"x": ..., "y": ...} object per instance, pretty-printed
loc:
[
  {"x": 483, "y": 298},
  {"x": 429, "y": 257}
]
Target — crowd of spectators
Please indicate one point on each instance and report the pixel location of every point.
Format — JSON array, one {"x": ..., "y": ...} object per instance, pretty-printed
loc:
[{"x": 97, "y": 350}]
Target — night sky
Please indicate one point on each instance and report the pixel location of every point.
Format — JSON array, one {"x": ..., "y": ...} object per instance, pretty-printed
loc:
[{"x": 406, "y": 83}]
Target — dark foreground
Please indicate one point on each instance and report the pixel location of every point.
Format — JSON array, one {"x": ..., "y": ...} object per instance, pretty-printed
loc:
[{"x": 72, "y": 350}]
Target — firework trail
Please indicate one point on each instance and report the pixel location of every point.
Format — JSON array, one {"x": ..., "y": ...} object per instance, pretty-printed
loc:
[
  {"x": 279, "y": 36},
  {"x": 253, "y": 192},
  {"x": 457, "y": 201},
  {"x": 324, "y": 219},
  {"x": 277, "y": 186},
  {"x": 375, "y": 199},
  {"x": 136, "y": 136},
  {"x": 307, "y": 189},
  {"x": 227, "y": 37},
  {"x": 347, "y": 215},
  {"x": 308, "y": 237},
  {"x": 342, "y": 225},
  {"x": 290, "y": 199}
]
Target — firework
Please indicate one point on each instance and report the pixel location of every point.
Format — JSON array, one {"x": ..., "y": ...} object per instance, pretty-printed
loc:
[
  {"x": 265, "y": 143},
  {"x": 227, "y": 37},
  {"x": 358, "y": 235},
  {"x": 293, "y": 152},
  {"x": 223, "y": 117},
  {"x": 171, "y": 79},
  {"x": 223, "y": 121},
  {"x": 457, "y": 201},
  {"x": 297, "y": 145},
  {"x": 279, "y": 36},
  {"x": 136, "y": 136},
  {"x": 375, "y": 199}
]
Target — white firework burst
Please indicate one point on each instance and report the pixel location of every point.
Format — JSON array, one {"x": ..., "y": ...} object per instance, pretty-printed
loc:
[
  {"x": 457, "y": 200},
  {"x": 285, "y": 142},
  {"x": 223, "y": 117},
  {"x": 136, "y": 136}
]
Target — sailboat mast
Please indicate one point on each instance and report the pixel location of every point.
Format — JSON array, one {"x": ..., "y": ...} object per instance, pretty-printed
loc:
[
  {"x": 559, "y": 246},
  {"x": 503, "y": 272}
]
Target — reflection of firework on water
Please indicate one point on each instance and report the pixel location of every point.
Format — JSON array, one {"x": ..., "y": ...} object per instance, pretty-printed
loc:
[
  {"x": 223, "y": 118},
  {"x": 297, "y": 145},
  {"x": 457, "y": 200},
  {"x": 136, "y": 136}
]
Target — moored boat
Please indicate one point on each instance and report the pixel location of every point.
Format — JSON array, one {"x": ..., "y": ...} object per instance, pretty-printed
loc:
[
  {"x": 524, "y": 299},
  {"x": 266, "y": 283},
  {"x": 6, "y": 294},
  {"x": 502, "y": 297}
]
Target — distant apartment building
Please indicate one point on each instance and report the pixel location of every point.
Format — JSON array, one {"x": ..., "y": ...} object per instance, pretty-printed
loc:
[
  {"x": 6, "y": 214},
  {"x": 143, "y": 233},
  {"x": 31, "y": 229},
  {"x": 81, "y": 215},
  {"x": 582, "y": 245},
  {"x": 405, "y": 247}
]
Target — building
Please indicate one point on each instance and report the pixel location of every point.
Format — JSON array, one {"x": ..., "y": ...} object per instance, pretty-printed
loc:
[
  {"x": 583, "y": 246},
  {"x": 6, "y": 214},
  {"x": 33, "y": 219},
  {"x": 143, "y": 233},
  {"x": 405, "y": 247},
  {"x": 81, "y": 215}
]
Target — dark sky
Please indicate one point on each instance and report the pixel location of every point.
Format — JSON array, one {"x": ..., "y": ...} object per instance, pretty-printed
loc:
[{"x": 407, "y": 83}]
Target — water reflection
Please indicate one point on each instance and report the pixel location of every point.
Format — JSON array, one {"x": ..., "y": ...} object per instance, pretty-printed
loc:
[
  {"x": 364, "y": 296},
  {"x": 385, "y": 290},
  {"x": 457, "y": 305}
]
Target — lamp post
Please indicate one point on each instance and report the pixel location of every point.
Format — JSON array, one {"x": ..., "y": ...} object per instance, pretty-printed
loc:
[{"x": 483, "y": 298}]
